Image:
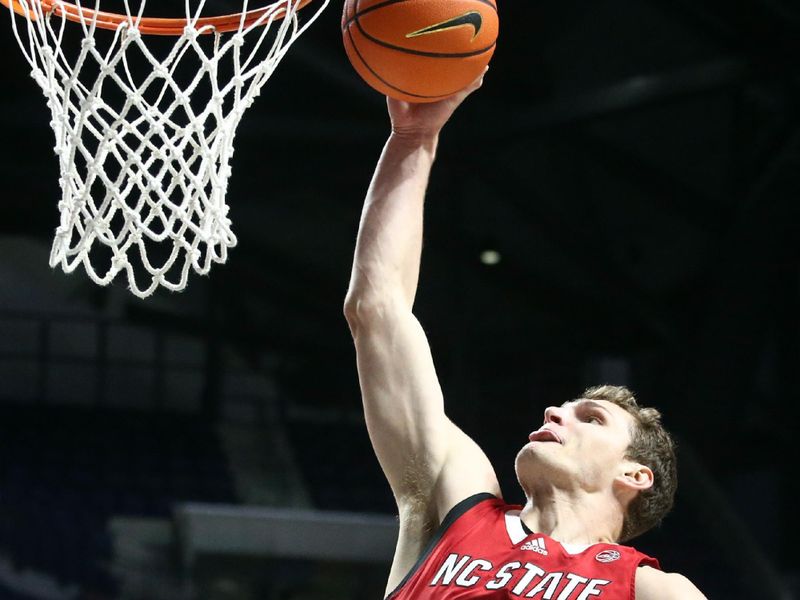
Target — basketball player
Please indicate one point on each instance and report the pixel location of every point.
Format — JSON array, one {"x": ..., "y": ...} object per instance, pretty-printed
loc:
[{"x": 597, "y": 472}]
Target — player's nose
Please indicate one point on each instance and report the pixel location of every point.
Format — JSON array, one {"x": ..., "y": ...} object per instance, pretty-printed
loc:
[{"x": 554, "y": 414}]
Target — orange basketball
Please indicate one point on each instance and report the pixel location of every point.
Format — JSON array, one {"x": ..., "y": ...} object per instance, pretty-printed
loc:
[{"x": 419, "y": 50}]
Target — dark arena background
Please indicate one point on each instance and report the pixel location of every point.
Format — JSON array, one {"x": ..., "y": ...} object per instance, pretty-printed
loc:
[{"x": 619, "y": 204}]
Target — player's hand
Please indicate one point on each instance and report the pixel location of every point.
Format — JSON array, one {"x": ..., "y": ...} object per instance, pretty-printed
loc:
[{"x": 420, "y": 120}]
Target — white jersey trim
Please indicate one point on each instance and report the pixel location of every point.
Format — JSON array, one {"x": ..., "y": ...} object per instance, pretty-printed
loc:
[
  {"x": 575, "y": 548},
  {"x": 514, "y": 527}
]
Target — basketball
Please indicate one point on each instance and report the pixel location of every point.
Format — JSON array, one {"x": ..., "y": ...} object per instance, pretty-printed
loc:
[{"x": 419, "y": 50}]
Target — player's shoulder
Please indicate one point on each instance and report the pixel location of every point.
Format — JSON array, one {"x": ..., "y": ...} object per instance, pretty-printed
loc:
[
  {"x": 476, "y": 506},
  {"x": 653, "y": 584}
]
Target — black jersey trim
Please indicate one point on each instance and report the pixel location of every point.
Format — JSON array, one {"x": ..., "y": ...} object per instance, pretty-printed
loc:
[
  {"x": 525, "y": 528},
  {"x": 457, "y": 511}
]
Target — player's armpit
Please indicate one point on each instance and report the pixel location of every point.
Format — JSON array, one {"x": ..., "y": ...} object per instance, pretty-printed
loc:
[{"x": 652, "y": 584}]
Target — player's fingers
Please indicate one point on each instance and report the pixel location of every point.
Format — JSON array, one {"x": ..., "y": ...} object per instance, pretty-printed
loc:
[
  {"x": 398, "y": 109},
  {"x": 459, "y": 97},
  {"x": 394, "y": 104},
  {"x": 478, "y": 82}
]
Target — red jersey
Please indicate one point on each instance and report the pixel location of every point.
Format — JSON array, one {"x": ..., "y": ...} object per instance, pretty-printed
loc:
[{"x": 482, "y": 550}]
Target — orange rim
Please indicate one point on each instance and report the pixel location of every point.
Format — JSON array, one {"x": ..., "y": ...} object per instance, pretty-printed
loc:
[{"x": 153, "y": 26}]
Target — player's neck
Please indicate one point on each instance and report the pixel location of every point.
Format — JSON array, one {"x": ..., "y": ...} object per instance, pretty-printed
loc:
[{"x": 572, "y": 517}]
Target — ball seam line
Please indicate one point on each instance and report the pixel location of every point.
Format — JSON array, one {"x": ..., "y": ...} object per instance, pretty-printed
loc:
[{"x": 382, "y": 80}]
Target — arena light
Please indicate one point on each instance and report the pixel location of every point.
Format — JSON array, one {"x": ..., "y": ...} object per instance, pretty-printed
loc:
[{"x": 490, "y": 257}]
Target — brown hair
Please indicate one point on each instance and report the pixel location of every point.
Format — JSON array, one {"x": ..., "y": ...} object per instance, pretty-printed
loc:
[{"x": 652, "y": 446}]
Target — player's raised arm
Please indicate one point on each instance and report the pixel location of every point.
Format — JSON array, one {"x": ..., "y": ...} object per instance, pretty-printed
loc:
[{"x": 430, "y": 463}]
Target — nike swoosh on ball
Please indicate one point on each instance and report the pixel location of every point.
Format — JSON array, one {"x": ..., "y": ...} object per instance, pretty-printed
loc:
[{"x": 470, "y": 18}]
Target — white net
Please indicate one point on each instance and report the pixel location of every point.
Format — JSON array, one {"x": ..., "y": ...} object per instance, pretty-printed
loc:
[{"x": 144, "y": 139}]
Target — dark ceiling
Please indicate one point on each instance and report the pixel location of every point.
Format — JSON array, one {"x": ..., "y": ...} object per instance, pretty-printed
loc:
[{"x": 636, "y": 165}]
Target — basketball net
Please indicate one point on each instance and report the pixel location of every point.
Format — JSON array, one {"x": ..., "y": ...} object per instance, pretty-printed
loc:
[{"x": 144, "y": 165}]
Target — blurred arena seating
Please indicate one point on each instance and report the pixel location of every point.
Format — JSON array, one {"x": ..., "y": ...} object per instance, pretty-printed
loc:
[
  {"x": 67, "y": 470},
  {"x": 9, "y": 594},
  {"x": 339, "y": 466}
]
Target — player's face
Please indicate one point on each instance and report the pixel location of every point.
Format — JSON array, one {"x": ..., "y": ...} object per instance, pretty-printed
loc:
[{"x": 580, "y": 444}]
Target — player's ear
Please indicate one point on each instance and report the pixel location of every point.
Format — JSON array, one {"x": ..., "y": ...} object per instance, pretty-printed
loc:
[{"x": 636, "y": 476}]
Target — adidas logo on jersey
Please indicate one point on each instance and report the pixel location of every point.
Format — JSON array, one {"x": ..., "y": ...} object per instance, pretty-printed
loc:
[{"x": 536, "y": 545}]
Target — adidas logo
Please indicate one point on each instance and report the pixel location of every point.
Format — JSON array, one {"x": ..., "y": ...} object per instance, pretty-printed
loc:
[{"x": 536, "y": 545}]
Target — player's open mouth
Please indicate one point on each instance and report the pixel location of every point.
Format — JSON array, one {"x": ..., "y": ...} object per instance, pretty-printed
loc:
[{"x": 544, "y": 435}]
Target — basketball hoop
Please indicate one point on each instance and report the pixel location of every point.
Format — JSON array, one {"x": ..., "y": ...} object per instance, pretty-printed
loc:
[{"x": 144, "y": 141}]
